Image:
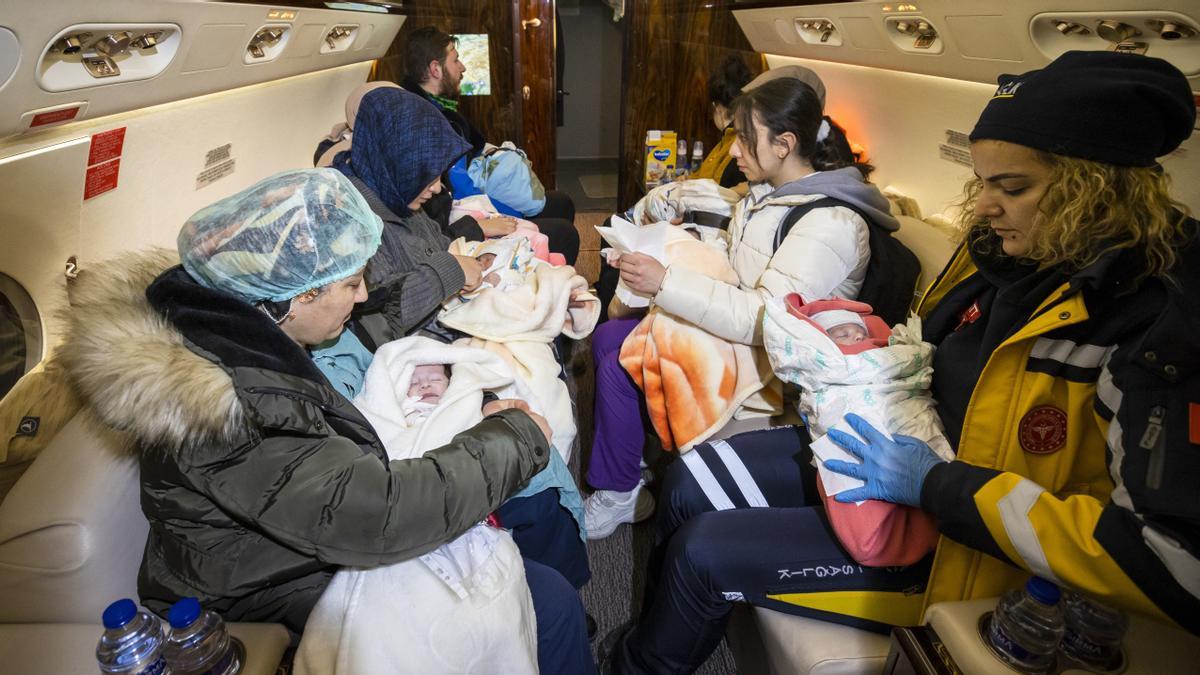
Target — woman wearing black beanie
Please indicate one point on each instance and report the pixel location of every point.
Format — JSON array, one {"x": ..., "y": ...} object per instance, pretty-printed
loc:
[
  {"x": 1067, "y": 376},
  {"x": 1067, "y": 372}
]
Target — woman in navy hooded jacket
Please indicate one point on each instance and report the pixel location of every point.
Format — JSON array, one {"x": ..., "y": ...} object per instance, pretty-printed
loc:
[{"x": 402, "y": 145}]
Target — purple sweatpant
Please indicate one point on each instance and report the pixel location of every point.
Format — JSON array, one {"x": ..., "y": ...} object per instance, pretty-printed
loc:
[{"x": 617, "y": 448}]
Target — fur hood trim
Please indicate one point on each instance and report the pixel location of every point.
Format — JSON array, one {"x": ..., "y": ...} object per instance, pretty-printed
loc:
[{"x": 131, "y": 366}]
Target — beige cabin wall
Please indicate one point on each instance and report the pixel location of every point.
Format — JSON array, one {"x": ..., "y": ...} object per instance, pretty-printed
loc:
[{"x": 270, "y": 127}]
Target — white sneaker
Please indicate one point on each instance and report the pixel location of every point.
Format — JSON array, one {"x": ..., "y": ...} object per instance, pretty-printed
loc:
[{"x": 606, "y": 509}]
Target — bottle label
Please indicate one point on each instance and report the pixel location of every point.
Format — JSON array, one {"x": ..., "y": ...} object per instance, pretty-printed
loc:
[
  {"x": 157, "y": 668},
  {"x": 1080, "y": 647},
  {"x": 1001, "y": 641}
]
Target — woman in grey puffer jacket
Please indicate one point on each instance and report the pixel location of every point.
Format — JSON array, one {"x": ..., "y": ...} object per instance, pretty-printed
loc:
[{"x": 259, "y": 479}]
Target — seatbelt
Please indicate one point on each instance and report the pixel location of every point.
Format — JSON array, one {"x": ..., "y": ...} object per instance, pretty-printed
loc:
[{"x": 706, "y": 219}]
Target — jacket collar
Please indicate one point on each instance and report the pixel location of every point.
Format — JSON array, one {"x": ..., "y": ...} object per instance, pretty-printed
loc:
[{"x": 235, "y": 333}]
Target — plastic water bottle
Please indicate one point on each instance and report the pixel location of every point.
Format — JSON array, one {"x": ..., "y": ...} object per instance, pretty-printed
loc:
[
  {"x": 1094, "y": 632},
  {"x": 1027, "y": 626},
  {"x": 132, "y": 643},
  {"x": 697, "y": 156},
  {"x": 198, "y": 643}
]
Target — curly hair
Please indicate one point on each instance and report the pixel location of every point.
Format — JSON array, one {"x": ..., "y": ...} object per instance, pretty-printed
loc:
[{"x": 1089, "y": 209}]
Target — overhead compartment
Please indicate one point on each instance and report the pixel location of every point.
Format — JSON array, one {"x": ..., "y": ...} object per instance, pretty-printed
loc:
[
  {"x": 975, "y": 40},
  {"x": 83, "y": 59}
]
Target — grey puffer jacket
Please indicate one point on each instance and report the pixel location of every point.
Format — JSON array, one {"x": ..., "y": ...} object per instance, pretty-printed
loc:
[
  {"x": 410, "y": 275},
  {"x": 258, "y": 479}
]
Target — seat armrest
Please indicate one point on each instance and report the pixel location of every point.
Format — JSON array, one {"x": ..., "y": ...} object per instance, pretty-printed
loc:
[
  {"x": 797, "y": 644},
  {"x": 59, "y": 648}
]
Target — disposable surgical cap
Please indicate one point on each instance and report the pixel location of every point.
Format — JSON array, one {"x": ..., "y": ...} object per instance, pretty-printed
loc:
[{"x": 287, "y": 234}]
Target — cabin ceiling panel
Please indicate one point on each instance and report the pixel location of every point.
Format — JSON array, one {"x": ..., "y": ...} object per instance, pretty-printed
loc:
[
  {"x": 974, "y": 40},
  {"x": 208, "y": 56}
]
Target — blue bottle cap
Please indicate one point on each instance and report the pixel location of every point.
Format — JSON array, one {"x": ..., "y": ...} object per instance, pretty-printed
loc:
[
  {"x": 184, "y": 613},
  {"x": 119, "y": 613},
  {"x": 1043, "y": 591}
]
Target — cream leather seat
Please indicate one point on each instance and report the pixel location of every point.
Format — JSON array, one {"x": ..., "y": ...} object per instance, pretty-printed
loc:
[
  {"x": 71, "y": 539},
  {"x": 797, "y": 645}
]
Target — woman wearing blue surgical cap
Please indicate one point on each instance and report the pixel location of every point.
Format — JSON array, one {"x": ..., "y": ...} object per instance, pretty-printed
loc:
[{"x": 259, "y": 479}]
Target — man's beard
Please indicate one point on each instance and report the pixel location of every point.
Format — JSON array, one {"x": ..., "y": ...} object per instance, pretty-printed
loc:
[{"x": 451, "y": 90}]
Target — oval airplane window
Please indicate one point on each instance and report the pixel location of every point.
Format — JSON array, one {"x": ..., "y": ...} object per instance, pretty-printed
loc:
[{"x": 20, "y": 333}]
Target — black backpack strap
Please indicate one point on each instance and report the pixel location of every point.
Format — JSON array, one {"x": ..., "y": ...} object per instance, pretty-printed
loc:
[
  {"x": 892, "y": 271},
  {"x": 795, "y": 213}
]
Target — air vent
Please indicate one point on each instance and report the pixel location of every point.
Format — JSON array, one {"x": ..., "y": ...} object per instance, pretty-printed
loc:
[
  {"x": 914, "y": 34},
  {"x": 88, "y": 55},
  {"x": 267, "y": 44},
  {"x": 819, "y": 32},
  {"x": 1167, "y": 35},
  {"x": 339, "y": 39}
]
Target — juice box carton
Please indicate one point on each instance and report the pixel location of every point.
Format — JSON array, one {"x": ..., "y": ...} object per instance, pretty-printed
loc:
[{"x": 660, "y": 157}]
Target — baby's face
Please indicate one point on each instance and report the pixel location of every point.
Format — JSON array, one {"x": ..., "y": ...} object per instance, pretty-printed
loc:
[
  {"x": 847, "y": 334},
  {"x": 485, "y": 261},
  {"x": 429, "y": 382}
]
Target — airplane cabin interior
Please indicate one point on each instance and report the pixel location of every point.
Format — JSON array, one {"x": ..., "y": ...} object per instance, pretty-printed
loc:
[{"x": 122, "y": 120}]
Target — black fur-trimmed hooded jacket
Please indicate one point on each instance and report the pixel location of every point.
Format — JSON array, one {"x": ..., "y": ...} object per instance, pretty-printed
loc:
[{"x": 258, "y": 479}]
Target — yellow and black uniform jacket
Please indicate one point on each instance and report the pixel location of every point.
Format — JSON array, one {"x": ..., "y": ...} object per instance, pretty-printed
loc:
[{"x": 1079, "y": 449}]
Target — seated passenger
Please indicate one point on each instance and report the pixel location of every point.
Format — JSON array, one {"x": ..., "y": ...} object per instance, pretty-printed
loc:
[
  {"x": 434, "y": 72},
  {"x": 845, "y": 360},
  {"x": 793, "y": 156},
  {"x": 1064, "y": 328},
  {"x": 259, "y": 480},
  {"x": 398, "y": 152},
  {"x": 724, "y": 85},
  {"x": 476, "y": 226},
  {"x": 474, "y": 582}
]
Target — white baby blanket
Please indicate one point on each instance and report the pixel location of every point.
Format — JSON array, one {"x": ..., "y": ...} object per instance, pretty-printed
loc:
[
  {"x": 519, "y": 323},
  {"x": 463, "y": 607}
]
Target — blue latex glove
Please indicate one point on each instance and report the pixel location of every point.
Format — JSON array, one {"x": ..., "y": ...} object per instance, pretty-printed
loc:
[{"x": 893, "y": 470}]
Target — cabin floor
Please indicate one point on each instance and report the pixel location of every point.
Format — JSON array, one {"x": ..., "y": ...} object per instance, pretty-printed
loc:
[
  {"x": 614, "y": 595},
  {"x": 591, "y": 183}
]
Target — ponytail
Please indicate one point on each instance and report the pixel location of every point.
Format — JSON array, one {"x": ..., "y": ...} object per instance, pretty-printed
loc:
[{"x": 833, "y": 150}]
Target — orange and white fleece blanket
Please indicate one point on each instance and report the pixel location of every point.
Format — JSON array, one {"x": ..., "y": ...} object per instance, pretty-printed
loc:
[
  {"x": 520, "y": 322},
  {"x": 692, "y": 380}
]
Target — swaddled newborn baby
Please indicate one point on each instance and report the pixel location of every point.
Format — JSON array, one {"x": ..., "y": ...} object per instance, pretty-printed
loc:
[
  {"x": 428, "y": 384},
  {"x": 844, "y": 360}
]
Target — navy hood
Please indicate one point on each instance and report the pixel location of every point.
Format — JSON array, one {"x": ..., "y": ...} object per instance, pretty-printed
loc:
[
  {"x": 848, "y": 185},
  {"x": 401, "y": 144}
]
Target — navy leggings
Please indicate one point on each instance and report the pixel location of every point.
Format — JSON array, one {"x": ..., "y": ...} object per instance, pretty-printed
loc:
[
  {"x": 739, "y": 521},
  {"x": 562, "y": 642},
  {"x": 546, "y": 532}
]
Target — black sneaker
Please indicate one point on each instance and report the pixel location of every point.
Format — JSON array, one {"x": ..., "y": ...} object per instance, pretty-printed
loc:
[{"x": 611, "y": 645}]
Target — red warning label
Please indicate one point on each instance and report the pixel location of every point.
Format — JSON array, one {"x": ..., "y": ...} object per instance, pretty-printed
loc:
[
  {"x": 101, "y": 178},
  {"x": 53, "y": 117},
  {"x": 106, "y": 145}
]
